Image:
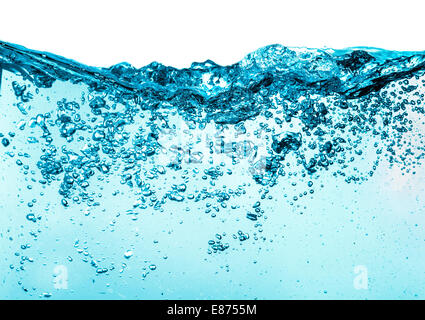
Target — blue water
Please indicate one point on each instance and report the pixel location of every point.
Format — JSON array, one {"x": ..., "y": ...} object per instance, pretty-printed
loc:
[{"x": 295, "y": 173}]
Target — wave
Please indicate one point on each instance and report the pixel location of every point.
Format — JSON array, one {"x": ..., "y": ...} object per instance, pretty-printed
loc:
[{"x": 278, "y": 113}]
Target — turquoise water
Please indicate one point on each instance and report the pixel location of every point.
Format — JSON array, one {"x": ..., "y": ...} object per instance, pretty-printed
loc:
[{"x": 295, "y": 173}]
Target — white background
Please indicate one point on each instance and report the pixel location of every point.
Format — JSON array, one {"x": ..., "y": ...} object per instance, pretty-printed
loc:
[{"x": 179, "y": 32}]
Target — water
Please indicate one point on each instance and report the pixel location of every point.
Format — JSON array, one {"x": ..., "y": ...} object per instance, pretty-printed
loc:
[{"x": 295, "y": 173}]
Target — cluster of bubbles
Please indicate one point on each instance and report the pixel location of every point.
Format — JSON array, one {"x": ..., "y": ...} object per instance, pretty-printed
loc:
[{"x": 281, "y": 115}]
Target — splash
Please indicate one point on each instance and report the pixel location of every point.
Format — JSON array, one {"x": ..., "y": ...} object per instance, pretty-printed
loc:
[{"x": 209, "y": 138}]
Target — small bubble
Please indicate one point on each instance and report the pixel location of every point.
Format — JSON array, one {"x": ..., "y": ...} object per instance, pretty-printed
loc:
[
  {"x": 128, "y": 254},
  {"x": 5, "y": 142}
]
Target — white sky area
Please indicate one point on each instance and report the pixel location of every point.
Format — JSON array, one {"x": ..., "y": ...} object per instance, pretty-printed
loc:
[{"x": 102, "y": 33}]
